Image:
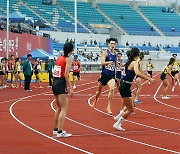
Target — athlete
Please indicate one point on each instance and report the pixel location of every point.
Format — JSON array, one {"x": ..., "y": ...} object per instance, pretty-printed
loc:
[
  {"x": 149, "y": 67},
  {"x": 76, "y": 66},
  {"x": 17, "y": 70},
  {"x": 167, "y": 70},
  {"x": 138, "y": 79},
  {"x": 119, "y": 68},
  {"x": 108, "y": 62},
  {"x": 59, "y": 88},
  {"x": 175, "y": 72},
  {"x": 2, "y": 73},
  {"x": 131, "y": 70},
  {"x": 11, "y": 66},
  {"x": 37, "y": 70}
]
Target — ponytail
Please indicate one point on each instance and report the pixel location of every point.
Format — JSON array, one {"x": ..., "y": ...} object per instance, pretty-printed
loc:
[{"x": 131, "y": 54}]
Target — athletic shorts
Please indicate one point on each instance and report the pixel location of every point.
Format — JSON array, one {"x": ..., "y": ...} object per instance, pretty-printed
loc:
[
  {"x": 163, "y": 76},
  {"x": 125, "y": 89},
  {"x": 71, "y": 76},
  {"x": 150, "y": 72},
  {"x": 76, "y": 74},
  {"x": 174, "y": 72},
  {"x": 36, "y": 72},
  {"x": 59, "y": 86},
  {"x": 104, "y": 79},
  {"x": 118, "y": 74},
  {"x": 2, "y": 73}
]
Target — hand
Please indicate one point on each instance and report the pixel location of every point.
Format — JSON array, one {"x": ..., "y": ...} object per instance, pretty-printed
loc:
[
  {"x": 71, "y": 92},
  {"x": 152, "y": 80},
  {"x": 111, "y": 62}
]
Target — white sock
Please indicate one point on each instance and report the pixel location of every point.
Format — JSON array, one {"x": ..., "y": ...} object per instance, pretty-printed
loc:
[
  {"x": 120, "y": 120},
  {"x": 121, "y": 113}
]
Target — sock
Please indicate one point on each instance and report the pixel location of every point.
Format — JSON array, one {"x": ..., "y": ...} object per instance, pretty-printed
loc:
[
  {"x": 121, "y": 119},
  {"x": 55, "y": 129},
  {"x": 121, "y": 113},
  {"x": 59, "y": 131}
]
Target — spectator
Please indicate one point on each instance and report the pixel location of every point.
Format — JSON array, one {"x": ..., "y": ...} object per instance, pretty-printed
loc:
[
  {"x": 152, "y": 28},
  {"x": 172, "y": 29},
  {"x": 127, "y": 44},
  {"x": 179, "y": 45},
  {"x": 122, "y": 17},
  {"x": 149, "y": 44},
  {"x": 71, "y": 41},
  {"x": 91, "y": 56},
  {"x": 144, "y": 44},
  {"x": 95, "y": 42},
  {"x": 171, "y": 10},
  {"x": 50, "y": 70},
  {"x": 67, "y": 40},
  {"x": 102, "y": 20}
]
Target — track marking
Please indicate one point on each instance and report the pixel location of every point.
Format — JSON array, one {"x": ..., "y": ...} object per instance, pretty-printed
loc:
[
  {"x": 111, "y": 134},
  {"x": 157, "y": 114},
  {"x": 162, "y": 102},
  {"x": 38, "y": 132}
]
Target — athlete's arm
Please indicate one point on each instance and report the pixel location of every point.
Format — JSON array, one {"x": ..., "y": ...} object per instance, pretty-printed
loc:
[
  {"x": 169, "y": 71},
  {"x": 138, "y": 72},
  {"x": 66, "y": 73},
  {"x": 104, "y": 55}
]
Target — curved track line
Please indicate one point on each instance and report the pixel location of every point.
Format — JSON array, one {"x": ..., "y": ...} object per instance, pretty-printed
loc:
[
  {"x": 156, "y": 114},
  {"x": 162, "y": 102},
  {"x": 111, "y": 134},
  {"x": 40, "y": 133},
  {"x": 155, "y": 128}
]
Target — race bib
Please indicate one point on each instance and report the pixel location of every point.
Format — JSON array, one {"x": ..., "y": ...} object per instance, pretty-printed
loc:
[
  {"x": 123, "y": 72},
  {"x": 75, "y": 67},
  {"x": 39, "y": 67},
  {"x": 109, "y": 67},
  {"x": 57, "y": 71}
]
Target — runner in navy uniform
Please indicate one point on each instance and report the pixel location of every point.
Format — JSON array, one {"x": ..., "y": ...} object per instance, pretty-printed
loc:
[
  {"x": 60, "y": 74},
  {"x": 131, "y": 69},
  {"x": 108, "y": 63}
]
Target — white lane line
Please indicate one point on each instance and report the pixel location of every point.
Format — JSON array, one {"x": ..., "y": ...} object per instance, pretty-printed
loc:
[
  {"x": 40, "y": 133},
  {"x": 155, "y": 128},
  {"x": 117, "y": 136},
  {"x": 177, "y": 108},
  {"x": 159, "y": 115}
]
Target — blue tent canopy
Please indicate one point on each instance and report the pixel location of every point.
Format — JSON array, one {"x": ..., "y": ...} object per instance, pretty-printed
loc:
[
  {"x": 15, "y": 17},
  {"x": 38, "y": 53}
]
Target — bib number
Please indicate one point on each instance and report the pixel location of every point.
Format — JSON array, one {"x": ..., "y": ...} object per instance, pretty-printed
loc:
[
  {"x": 109, "y": 67},
  {"x": 75, "y": 67},
  {"x": 57, "y": 71}
]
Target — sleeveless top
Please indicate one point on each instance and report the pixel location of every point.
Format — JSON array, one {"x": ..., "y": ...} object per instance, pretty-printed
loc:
[
  {"x": 120, "y": 64},
  {"x": 109, "y": 69},
  {"x": 75, "y": 66},
  {"x": 38, "y": 66},
  {"x": 59, "y": 68},
  {"x": 175, "y": 66},
  {"x": 128, "y": 75},
  {"x": 149, "y": 67}
]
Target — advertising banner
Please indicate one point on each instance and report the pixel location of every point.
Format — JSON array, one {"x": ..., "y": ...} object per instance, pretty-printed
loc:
[{"x": 21, "y": 44}]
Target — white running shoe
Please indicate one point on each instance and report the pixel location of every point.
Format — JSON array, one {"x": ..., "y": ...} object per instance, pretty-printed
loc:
[
  {"x": 74, "y": 87},
  {"x": 55, "y": 132},
  {"x": 64, "y": 134},
  {"x": 118, "y": 127},
  {"x": 165, "y": 97}
]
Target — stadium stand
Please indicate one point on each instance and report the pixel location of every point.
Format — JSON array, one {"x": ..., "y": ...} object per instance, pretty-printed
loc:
[
  {"x": 127, "y": 18},
  {"x": 165, "y": 21}
]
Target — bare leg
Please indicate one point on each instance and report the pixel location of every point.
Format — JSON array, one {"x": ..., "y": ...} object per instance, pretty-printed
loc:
[
  {"x": 111, "y": 85},
  {"x": 166, "y": 87},
  {"x": 98, "y": 93}
]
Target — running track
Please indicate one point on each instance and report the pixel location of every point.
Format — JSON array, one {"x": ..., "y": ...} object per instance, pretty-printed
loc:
[{"x": 27, "y": 122}]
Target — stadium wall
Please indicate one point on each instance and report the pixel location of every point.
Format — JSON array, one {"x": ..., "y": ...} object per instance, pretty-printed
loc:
[{"x": 21, "y": 44}]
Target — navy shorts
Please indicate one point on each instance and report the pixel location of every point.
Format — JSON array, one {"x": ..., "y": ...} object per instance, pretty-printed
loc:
[
  {"x": 125, "y": 89},
  {"x": 59, "y": 86},
  {"x": 150, "y": 72},
  {"x": 174, "y": 72},
  {"x": 118, "y": 75},
  {"x": 76, "y": 74},
  {"x": 104, "y": 79},
  {"x": 163, "y": 76}
]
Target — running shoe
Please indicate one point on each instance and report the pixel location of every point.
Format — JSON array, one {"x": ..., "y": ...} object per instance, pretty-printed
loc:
[
  {"x": 165, "y": 97},
  {"x": 74, "y": 87},
  {"x": 118, "y": 127},
  {"x": 173, "y": 89},
  {"x": 64, "y": 134},
  {"x": 138, "y": 101}
]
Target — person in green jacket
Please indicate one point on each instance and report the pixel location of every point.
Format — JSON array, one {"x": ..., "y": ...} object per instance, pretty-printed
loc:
[
  {"x": 28, "y": 71},
  {"x": 50, "y": 70}
]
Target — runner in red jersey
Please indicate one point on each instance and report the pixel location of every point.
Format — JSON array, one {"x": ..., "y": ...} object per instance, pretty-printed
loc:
[
  {"x": 76, "y": 69},
  {"x": 60, "y": 74},
  {"x": 11, "y": 66}
]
